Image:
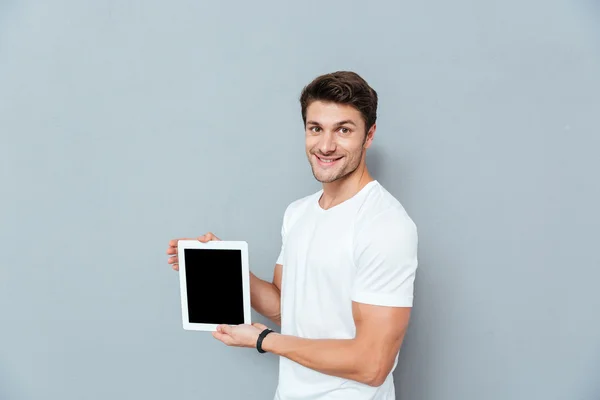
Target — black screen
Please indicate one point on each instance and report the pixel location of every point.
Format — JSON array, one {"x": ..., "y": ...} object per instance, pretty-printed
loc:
[{"x": 214, "y": 286}]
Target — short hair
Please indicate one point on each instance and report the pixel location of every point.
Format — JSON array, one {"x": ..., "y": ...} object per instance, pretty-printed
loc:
[{"x": 344, "y": 87}]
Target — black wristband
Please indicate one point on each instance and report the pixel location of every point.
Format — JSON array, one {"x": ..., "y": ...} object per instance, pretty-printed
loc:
[{"x": 260, "y": 340}]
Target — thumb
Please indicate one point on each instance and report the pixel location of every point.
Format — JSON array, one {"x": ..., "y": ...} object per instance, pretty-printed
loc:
[{"x": 226, "y": 329}]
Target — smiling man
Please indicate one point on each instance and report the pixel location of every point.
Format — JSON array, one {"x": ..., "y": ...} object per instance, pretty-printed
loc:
[{"x": 342, "y": 287}]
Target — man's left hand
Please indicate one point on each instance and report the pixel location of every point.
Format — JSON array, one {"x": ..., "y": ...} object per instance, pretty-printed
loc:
[{"x": 243, "y": 335}]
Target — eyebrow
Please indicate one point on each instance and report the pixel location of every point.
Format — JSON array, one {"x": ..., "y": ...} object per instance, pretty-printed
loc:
[{"x": 347, "y": 121}]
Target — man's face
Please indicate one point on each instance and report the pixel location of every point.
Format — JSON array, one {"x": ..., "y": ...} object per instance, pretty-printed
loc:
[{"x": 335, "y": 140}]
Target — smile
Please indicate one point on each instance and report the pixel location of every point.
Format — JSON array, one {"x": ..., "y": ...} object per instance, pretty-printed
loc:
[{"x": 327, "y": 162}]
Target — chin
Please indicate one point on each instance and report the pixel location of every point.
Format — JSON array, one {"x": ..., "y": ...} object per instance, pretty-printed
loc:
[
  {"x": 326, "y": 178},
  {"x": 331, "y": 176}
]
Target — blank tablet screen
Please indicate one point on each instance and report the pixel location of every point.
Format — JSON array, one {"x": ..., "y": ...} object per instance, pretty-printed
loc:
[{"x": 214, "y": 286}]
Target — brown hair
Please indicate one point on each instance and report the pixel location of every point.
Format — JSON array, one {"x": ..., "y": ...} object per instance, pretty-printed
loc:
[{"x": 343, "y": 87}]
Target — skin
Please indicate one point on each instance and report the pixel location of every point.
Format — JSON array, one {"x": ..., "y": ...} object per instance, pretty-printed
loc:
[{"x": 332, "y": 132}]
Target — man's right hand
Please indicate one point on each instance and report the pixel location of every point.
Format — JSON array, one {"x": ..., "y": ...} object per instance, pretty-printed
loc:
[{"x": 173, "y": 260}]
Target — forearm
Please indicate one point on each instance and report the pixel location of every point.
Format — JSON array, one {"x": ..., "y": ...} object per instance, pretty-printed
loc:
[
  {"x": 265, "y": 298},
  {"x": 345, "y": 358}
]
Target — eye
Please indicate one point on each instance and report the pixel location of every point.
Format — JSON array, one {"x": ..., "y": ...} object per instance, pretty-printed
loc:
[
  {"x": 315, "y": 129},
  {"x": 344, "y": 130}
]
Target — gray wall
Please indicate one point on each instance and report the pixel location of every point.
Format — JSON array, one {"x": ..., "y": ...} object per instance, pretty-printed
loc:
[{"x": 127, "y": 123}]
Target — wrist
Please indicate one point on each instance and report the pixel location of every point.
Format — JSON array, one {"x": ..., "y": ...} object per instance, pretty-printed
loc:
[
  {"x": 269, "y": 342},
  {"x": 260, "y": 339}
]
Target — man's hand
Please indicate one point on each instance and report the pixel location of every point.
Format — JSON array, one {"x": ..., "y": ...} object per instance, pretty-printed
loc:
[
  {"x": 173, "y": 260},
  {"x": 243, "y": 335}
]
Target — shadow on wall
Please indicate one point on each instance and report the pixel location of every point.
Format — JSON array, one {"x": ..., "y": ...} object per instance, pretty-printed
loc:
[
  {"x": 388, "y": 167},
  {"x": 375, "y": 163}
]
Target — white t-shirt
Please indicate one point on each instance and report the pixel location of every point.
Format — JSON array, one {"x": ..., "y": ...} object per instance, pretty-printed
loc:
[{"x": 363, "y": 250}]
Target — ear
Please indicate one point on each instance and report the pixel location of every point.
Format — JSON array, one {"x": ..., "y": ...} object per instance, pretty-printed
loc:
[{"x": 369, "y": 137}]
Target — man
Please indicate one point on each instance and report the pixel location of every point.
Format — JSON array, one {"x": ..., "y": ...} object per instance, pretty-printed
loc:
[{"x": 342, "y": 288}]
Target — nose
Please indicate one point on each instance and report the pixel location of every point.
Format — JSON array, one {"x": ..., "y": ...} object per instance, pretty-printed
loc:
[{"x": 327, "y": 143}]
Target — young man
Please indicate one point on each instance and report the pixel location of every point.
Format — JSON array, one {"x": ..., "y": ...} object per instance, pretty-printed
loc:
[{"x": 342, "y": 288}]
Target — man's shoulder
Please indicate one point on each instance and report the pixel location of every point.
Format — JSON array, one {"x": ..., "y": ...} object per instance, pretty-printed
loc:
[{"x": 380, "y": 207}]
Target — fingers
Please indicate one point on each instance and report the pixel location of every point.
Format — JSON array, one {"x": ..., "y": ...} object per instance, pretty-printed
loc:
[
  {"x": 226, "y": 329},
  {"x": 172, "y": 249},
  {"x": 223, "y": 334},
  {"x": 223, "y": 338},
  {"x": 207, "y": 237},
  {"x": 173, "y": 244},
  {"x": 174, "y": 261}
]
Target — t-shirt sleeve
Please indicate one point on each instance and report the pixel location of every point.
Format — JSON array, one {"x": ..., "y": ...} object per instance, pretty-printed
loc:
[
  {"x": 281, "y": 250},
  {"x": 385, "y": 257}
]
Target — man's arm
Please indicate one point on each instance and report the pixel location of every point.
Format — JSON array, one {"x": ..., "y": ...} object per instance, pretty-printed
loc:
[
  {"x": 385, "y": 254},
  {"x": 367, "y": 358},
  {"x": 265, "y": 297}
]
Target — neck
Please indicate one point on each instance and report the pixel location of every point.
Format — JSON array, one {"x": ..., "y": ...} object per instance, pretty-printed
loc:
[{"x": 343, "y": 189}]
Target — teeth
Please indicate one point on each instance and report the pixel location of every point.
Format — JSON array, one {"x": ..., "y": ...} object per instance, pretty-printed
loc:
[{"x": 327, "y": 161}]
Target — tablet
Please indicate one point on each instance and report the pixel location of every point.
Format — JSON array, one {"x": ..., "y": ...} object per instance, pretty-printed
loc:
[{"x": 214, "y": 279}]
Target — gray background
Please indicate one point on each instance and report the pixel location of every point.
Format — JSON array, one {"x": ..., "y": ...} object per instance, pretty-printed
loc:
[{"x": 127, "y": 123}]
